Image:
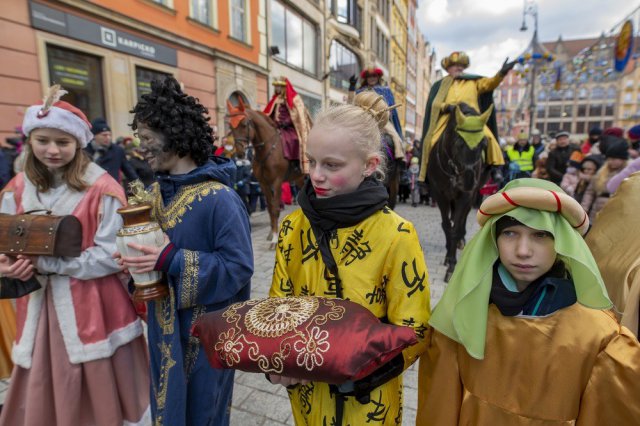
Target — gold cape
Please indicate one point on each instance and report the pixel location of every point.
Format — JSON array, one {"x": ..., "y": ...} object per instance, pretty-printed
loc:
[
  {"x": 574, "y": 367},
  {"x": 616, "y": 247},
  {"x": 382, "y": 268}
]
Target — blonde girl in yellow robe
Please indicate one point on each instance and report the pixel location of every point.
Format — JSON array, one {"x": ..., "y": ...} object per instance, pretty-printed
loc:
[
  {"x": 344, "y": 242},
  {"x": 523, "y": 334}
]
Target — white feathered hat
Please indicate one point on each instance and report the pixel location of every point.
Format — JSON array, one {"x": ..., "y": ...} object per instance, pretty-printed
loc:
[{"x": 56, "y": 114}]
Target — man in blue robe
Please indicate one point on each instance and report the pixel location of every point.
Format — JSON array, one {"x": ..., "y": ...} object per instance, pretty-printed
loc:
[{"x": 207, "y": 256}]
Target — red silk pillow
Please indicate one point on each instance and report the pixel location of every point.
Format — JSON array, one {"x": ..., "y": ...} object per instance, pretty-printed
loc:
[{"x": 312, "y": 338}]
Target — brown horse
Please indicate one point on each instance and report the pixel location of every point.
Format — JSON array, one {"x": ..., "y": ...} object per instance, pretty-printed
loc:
[{"x": 270, "y": 166}]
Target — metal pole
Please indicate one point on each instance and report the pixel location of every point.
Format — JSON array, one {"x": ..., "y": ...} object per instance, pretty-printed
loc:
[{"x": 532, "y": 101}]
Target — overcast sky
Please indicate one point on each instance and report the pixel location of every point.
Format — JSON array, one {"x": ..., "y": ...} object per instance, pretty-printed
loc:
[{"x": 488, "y": 30}]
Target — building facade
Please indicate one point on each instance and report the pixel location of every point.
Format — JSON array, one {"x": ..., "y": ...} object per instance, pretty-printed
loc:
[
  {"x": 628, "y": 113},
  {"x": 578, "y": 91},
  {"x": 105, "y": 53},
  {"x": 398, "y": 59},
  {"x": 426, "y": 75},
  {"x": 412, "y": 70}
]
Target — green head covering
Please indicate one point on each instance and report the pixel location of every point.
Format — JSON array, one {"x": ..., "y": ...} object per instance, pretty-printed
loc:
[
  {"x": 462, "y": 312},
  {"x": 471, "y": 127}
]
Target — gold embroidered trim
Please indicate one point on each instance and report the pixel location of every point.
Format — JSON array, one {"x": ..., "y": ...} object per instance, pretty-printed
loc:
[
  {"x": 165, "y": 313},
  {"x": 308, "y": 345},
  {"x": 171, "y": 215},
  {"x": 189, "y": 279},
  {"x": 166, "y": 364},
  {"x": 277, "y": 316},
  {"x": 193, "y": 347}
]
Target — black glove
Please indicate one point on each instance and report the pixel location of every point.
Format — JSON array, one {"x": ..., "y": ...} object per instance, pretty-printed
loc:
[
  {"x": 352, "y": 83},
  {"x": 507, "y": 66}
]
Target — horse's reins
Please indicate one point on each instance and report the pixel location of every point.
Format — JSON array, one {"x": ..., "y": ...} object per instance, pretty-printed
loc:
[
  {"x": 452, "y": 164},
  {"x": 252, "y": 125}
]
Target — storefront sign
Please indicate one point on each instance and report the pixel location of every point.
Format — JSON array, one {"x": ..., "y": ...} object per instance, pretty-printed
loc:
[{"x": 66, "y": 24}]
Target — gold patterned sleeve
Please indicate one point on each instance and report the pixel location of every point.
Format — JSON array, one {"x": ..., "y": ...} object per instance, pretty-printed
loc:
[
  {"x": 611, "y": 395},
  {"x": 439, "y": 385},
  {"x": 408, "y": 301},
  {"x": 487, "y": 84},
  {"x": 281, "y": 285}
]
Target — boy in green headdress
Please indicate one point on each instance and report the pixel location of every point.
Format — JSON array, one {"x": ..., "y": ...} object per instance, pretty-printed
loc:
[{"x": 523, "y": 334}]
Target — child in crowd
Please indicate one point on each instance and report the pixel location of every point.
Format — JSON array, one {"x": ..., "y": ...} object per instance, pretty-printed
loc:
[
  {"x": 364, "y": 252},
  {"x": 579, "y": 173},
  {"x": 80, "y": 353},
  {"x": 523, "y": 334},
  {"x": 596, "y": 195}
]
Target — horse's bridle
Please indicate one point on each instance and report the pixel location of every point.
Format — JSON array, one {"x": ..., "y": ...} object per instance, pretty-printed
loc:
[
  {"x": 249, "y": 140},
  {"x": 457, "y": 173}
]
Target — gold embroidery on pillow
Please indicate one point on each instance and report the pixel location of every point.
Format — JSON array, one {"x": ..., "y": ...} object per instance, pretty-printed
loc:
[
  {"x": 279, "y": 315},
  {"x": 273, "y": 318}
]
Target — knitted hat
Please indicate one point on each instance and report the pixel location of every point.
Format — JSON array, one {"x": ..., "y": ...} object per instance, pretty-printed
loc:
[
  {"x": 595, "y": 131},
  {"x": 522, "y": 136},
  {"x": 595, "y": 159},
  {"x": 53, "y": 113},
  {"x": 634, "y": 133},
  {"x": 618, "y": 148},
  {"x": 614, "y": 131},
  {"x": 99, "y": 125}
]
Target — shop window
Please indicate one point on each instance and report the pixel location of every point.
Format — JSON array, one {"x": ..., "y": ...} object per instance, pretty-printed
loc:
[
  {"x": 347, "y": 12},
  {"x": 582, "y": 111},
  {"x": 583, "y": 93},
  {"x": 580, "y": 127},
  {"x": 608, "y": 124},
  {"x": 595, "y": 110},
  {"x": 567, "y": 111},
  {"x": 608, "y": 110},
  {"x": 204, "y": 11},
  {"x": 553, "y": 126},
  {"x": 144, "y": 77},
  {"x": 555, "y": 111},
  {"x": 80, "y": 75},
  {"x": 165, "y": 3},
  {"x": 239, "y": 20},
  {"x": 296, "y": 38},
  {"x": 343, "y": 63},
  {"x": 597, "y": 92},
  {"x": 383, "y": 9},
  {"x": 313, "y": 105}
]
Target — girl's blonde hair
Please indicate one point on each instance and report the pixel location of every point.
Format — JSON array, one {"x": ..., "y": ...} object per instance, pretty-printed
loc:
[
  {"x": 375, "y": 105},
  {"x": 72, "y": 173},
  {"x": 362, "y": 126}
]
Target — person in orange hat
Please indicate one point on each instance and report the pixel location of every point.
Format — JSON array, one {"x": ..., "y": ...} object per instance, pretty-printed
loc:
[
  {"x": 456, "y": 88},
  {"x": 288, "y": 111}
]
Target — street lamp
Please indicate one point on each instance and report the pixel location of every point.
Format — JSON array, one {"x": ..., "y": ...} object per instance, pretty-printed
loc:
[{"x": 533, "y": 57}]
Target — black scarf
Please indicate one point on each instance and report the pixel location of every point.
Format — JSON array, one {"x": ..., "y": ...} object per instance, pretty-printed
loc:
[
  {"x": 326, "y": 215},
  {"x": 512, "y": 303}
]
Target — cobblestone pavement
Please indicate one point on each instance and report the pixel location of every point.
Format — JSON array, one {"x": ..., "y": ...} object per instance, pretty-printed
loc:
[{"x": 255, "y": 400}]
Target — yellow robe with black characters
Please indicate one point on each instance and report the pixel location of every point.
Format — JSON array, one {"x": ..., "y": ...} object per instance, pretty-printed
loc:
[{"x": 381, "y": 266}]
